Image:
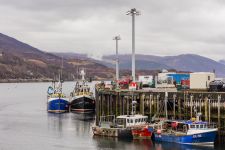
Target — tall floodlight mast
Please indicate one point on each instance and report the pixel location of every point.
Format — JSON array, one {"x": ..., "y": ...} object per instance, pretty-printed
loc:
[
  {"x": 117, "y": 38},
  {"x": 133, "y": 12}
]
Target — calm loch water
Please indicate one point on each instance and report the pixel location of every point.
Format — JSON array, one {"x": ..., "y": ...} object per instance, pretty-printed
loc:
[{"x": 25, "y": 125}]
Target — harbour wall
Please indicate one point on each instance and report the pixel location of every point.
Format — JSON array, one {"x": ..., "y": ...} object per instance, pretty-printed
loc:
[{"x": 182, "y": 105}]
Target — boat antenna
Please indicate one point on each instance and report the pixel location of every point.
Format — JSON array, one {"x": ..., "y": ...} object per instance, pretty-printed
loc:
[
  {"x": 82, "y": 73},
  {"x": 61, "y": 67},
  {"x": 77, "y": 74}
]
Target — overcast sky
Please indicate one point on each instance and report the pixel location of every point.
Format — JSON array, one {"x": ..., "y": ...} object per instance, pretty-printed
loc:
[{"x": 165, "y": 27}]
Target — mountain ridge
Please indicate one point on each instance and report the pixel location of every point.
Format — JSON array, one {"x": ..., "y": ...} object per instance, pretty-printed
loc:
[
  {"x": 183, "y": 62},
  {"x": 19, "y": 60}
]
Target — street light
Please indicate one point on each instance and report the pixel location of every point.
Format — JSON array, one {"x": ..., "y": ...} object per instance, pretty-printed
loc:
[
  {"x": 133, "y": 12},
  {"x": 116, "y": 38}
]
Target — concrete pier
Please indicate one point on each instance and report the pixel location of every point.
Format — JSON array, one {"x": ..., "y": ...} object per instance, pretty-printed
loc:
[{"x": 181, "y": 105}]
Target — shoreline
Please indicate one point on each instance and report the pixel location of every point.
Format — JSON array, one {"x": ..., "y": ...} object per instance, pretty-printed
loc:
[
  {"x": 24, "y": 80},
  {"x": 34, "y": 80}
]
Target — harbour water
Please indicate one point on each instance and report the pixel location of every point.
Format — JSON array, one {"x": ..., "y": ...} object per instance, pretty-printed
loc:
[{"x": 25, "y": 125}]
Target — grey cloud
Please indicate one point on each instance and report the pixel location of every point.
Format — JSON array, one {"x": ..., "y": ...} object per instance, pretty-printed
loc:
[{"x": 165, "y": 27}]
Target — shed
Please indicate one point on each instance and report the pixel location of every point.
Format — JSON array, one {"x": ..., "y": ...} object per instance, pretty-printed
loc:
[{"x": 201, "y": 80}]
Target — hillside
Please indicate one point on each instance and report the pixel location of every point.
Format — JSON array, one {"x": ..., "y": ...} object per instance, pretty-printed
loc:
[
  {"x": 222, "y": 61},
  {"x": 185, "y": 62},
  {"x": 20, "y": 62}
]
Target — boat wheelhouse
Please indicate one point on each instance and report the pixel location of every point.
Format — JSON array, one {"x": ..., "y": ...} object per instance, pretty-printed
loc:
[{"x": 131, "y": 120}]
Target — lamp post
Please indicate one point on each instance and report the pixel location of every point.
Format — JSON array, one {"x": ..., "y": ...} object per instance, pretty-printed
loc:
[
  {"x": 133, "y": 12},
  {"x": 117, "y": 38}
]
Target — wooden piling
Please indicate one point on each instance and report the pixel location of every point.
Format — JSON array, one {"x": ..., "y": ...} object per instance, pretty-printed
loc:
[
  {"x": 122, "y": 101},
  {"x": 209, "y": 104},
  {"x": 111, "y": 104},
  {"x": 179, "y": 108},
  {"x": 219, "y": 117},
  {"x": 142, "y": 98},
  {"x": 174, "y": 106},
  {"x": 150, "y": 106},
  {"x": 206, "y": 108},
  {"x": 108, "y": 104},
  {"x": 191, "y": 103},
  {"x": 157, "y": 101},
  {"x": 128, "y": 105},
  {"x": 218, "y": 109},
  {"x": 116, "y": 104},
  {"x": 97, "y": 107}
]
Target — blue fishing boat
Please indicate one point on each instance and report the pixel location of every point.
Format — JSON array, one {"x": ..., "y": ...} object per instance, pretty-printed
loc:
[
  {"x": 57, "y": 101},
  {"x": 194, "y": 131},
  {"x": 186, "y": 132}
]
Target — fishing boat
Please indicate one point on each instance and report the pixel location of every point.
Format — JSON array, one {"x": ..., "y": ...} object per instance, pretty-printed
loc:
[
  {"x": 194, "y": 131},
  {"x": 120, "y": 126},
  {"x": 82, "y": 99},
  {"x": 186, "y": 132},
  {"x": 57, "y": 101},
  {"x": 124, "y": 126}
]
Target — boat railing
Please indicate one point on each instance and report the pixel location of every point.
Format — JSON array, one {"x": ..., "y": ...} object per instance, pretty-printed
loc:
[
  {"x": 211, "y": 125},
  {"x": 107, "y": 121},
  {"x": 57, "y": 95},
  {"x": 83, "y": 93}
]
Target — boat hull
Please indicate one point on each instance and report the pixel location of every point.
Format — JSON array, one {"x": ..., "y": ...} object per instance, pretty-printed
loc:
[
  {"x": 206, "y": 138},
  {"x": 142, "y": 133},
  {"x": 58, "y": 105},
  {"x": 125, "y": 134},
  {"x": 82, "y": 104},
  {"x": 121, "y": 133}
]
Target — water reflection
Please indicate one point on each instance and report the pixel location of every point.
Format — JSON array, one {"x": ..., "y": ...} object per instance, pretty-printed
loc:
[
  {"x": 83, "y": 117},
  {"x": 55, "y": 123},
  {"x": 175, "y": 146},
  {"x": 114, "y": 143},
  {"x": 82, "y": 124}
]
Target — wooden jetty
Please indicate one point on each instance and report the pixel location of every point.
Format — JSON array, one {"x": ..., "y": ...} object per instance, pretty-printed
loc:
[{"x": 180, "y": 105}]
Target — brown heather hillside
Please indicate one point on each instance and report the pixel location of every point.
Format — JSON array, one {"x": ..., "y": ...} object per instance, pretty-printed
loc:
[
  {"x": 14, "y": 67},
  {"x": 20, "y": 61}
]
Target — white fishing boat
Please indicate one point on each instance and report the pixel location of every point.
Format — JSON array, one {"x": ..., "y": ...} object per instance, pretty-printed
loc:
[{"x": 122, "y": 126}]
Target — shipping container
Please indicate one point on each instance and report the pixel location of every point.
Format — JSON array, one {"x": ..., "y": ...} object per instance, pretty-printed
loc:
[{"x": 178, "y": 77}]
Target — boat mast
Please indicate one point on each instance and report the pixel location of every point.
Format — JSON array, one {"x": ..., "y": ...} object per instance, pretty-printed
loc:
[
  {"x": 61, "y": 74},
  {"x": 62, "y": 66},
  {"x": 60, "y": 83},
  {"x": 82, "y": 73}
]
